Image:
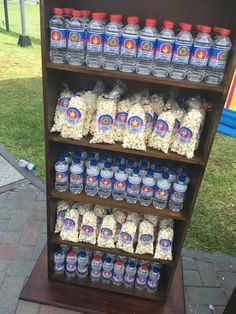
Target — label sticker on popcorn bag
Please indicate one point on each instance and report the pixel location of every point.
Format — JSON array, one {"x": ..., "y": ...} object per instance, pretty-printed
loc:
[
  {"x": 148, "y": 118},
  {"x": 135, "y": 124},
  {"x": 62, "y": 104},
  {"x": 125, "y": 237},
  {"x": 146, "y": 239},
  {"x": 106, "y": 233},
  {"x": 121, "y": 119},
  {"x": 69, "y": 224},
  {"x": 105, "y": 122},
  {"x": 165, "y": 245},
  {"x": 185, "y": 135},
  {"x": 87, "y": 230},
  {"x": 73, "y": 115},
  {"x": 161, "y": 128},
  {"x": 61, "y": 214},
  {"x": 176, "y": 126}
]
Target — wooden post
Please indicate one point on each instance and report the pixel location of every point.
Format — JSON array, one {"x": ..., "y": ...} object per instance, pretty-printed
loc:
[{"x": 6, "y": 16}]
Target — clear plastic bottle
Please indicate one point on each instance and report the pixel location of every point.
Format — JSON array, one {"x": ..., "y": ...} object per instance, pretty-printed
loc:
[
  {"x": 76, "y": 38},
  {"x": 147, "y": 188},
  {"x": 147, "y": 46},
  {"x": 67, "y": 14},
  {"x": 130, "y": 272},
  {"x": 218, "y": 59},
  {"x": 91, "y": 156},
  {"x": 82, "y": 267},
  {"x": 182, "y": 49},
  {"x": 200, "y": 54},
  {"x": 107, "y": 269},
  {"x": 129, "y": 45},
  {"x": 196, "y": 30},
  {"x": 153, "y": 278},
  {"x": 178, "y": 194},
  {"x": 215, "y": 32},
  {"x": 61, "y": 176},
  {"x": 96, "y": 268},
  {"x": 165, "y": 44},
  {"x": 130, "y": 167},
  {"x": 95, "y": 34},
  {"x": 171, "y": 170},
  {"x": 133, "y": 187},
  {"x": 158, "y": 171},
  {"x": 59, "y": 262},
  {"x": 118, "y": 273},
  {"x": 92, "y": 179},
  {"x": 116, "y": 163},
  {"x": 71, "y": 264},
  {"x": 26, "y": 164},
  {"x": 120, "y": 184},
  {"x": 143, "y": 168},
  {"x": 76, "y": 176},
  {"x": 102, "y": 161},
  {"x": 57, "y": 37},
  {"x": 142, "y": 276},
  {"x": 105, "y": 183},
  {"x": 85, "y": 17},
  {"x": 67, "y": 156},
  {"x": 162, "y": 192},
  {"x": 111, "y": 48}
]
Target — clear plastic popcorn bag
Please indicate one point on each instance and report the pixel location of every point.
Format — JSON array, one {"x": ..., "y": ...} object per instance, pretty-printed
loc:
[
  {"x": 82, "y": 209},
  {"x": 166, "y": 223},
  {"x": 127, "y": 236},
  {"x": 153, "y": 220},
  {"x": 120, "y": 217},
  {"x": 158, "y": 104},
  {"x": 100, "y": 212},
  {"x": 149, "y": 116},
  {"x": 134, "y": 217},
  {"x": 62, "y": 208},
  {"x": 123, "y": 108},
  {"x": 107, "y": 232},
  {"x": 145, "y": 238},
  {"x": 179, "y": 115},
  {"x": 88, "y": 228},
  {"x": 164, "y": 244},
  {"x": 69, "y": 231}
]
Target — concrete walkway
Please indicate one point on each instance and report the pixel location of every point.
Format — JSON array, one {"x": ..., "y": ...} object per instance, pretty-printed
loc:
[{"x": 209, "y": 279}]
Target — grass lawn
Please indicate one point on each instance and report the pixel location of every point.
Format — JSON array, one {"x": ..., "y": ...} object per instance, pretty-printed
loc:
[{"x": 213, "y": 225}]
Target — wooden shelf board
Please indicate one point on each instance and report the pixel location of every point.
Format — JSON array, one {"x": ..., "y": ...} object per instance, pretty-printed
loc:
[
  {"x": 152, "y": 153},
  {"x": 55, "y": 239},
  {"x": 136, "y": 77},
  {"x": 111, "y": 202}
]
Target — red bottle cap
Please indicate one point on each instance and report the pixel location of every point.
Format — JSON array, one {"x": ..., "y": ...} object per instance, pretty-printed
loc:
[
  {"x": 168, "y": 24},
  {"x": 71, "y": 253},
  {"x": 205, "y": 28},
  {"x": 103, "y": 14},
  {"x": 133, "y": 20},
  {"x": 97, "y": 15},
  {"x": 144, "y": 267},
  {"x": 186, "y": 26},
  {"x": 119, "y": 262},
  {"x": 58, "y": 11},
  {"x": 97, "y": 257},
  {"x": 151, "y": 22},
  {"x": 216, "y": 29},
  {"x": 224, "y": 31},
  {"x": 85, "y": 12},
  {"x": 116, "y": 17},
  {"x": 67, "y": 10},
  {"x": 76, "y": 13},
  {"x": 198, "y": 27}
]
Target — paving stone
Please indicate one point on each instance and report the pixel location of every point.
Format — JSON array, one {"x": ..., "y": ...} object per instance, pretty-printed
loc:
[
  {"x": 24, "y": 195},
  {"x": 189, "y": 263},
  {"x": 191, "y": 278},
  {"x": 8, "y": 237},
  {"x": 37, "y": 215},
  {"x": 41, "y": 197},
  {"x": 31, "y": 232},
  {"x": 199, "y": 309},
  {"x": 208, "y": 274},
  {"x": 11, "y": 251},
  {"x": 2, "y": 277},
  {"x": 225, "y": 267},
  {"x": 24, "y": 307},
  {"x": 41, "y": 242},
  {"x": 219, "y": 310},
  {"x": 3, "y": 197},
  {"x": 228, "y": 281},
  {"x": 8, "y": 173},
  {"x": 17, "y": 222},
  {"x": 20, "y": 268},
  {"x": 209, "y": 257},
  {"x": 27, "y": 187},
  {"x": 6, "y": 213},
  {"x": 45, "y": 309},
  {"x": 4, "y": 224},
  {"x": 206, "y": 296},
  {"x": 4, "y": 265},
  {"x": 44, "y": 228}
]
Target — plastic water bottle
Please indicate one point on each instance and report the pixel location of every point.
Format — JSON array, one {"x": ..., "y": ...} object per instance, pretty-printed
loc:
[
  {"x": 107, "y": 268},
  {"x": 143, "y": 168},
  {"x": 133, "y": 159},
  {"x": 67, "y": 13},
  {"x": 181, "y": 54},
  {"x": 153, "y": 278},
  {"x": 61, "y": 182},
  {"x": 218, "y": 58},
  {"x": 200, "y": 54},
  {"x": 76, "y": 176},
  {"x": 142, "y": 276},
  {"x": 197, "y": 30},
  {"x": 120, "y": 184},
  {"x": 162, "y": 192},
  {"x": 104, "y": 18},
  {"x": 171, "y": 170},
  {"x": 147, "y": 46},
  {"x": 92, "y": 178},
  {"x": 57, "y": 37},
  {"x": 102, "y": 161},
  {"x": 105, "y": 183},
  {"x": 96, "y": 268},
  {"x": 95, "y": 34},
  {"x": 82, "y": 267},
  {"x": 158, "y": 172},
  {"x": 91, "y": 156},
  {"x": 129, "y": 45},
  {"x": 177, "y": 195},
  {"x": 85, "y": 17},
  {"x": 133, "y": 187},
  {"x": 71, "y": 264},
  {"x": 147, "y": 188},
  {"x": 118, "y": 272},
  {"x": 76, "y": 38},
  {"x": 111, "y": 49},
  {"x": 59, "y": 262},
  {"x": 165, "y": 44},
  {"x": 26, "y": 164},
  {"x": 130, "y": 272},
  {"x": 215, "y": 33},
  {"x": 116, "y": 163},
  {"x": 130, "y": 167}
]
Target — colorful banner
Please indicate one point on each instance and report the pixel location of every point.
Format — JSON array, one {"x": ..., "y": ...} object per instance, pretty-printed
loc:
[{"x": 231, "y": 99}]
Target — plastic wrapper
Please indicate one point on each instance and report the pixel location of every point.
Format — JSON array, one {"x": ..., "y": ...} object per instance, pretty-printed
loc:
[
  {"x": 82, "y": 209},
  {"x": 62, "y": 208},
  {"x": 134, "y": 217},
  {"x": 107, "y": 232},
  {"x": 171, "y": 104},
  {"x": 90, "y": 99},
  {"x": 120, "y": 218},
  {"x": 179, "y": 115},
  {"x": 88, "y": 228},
  {"x": 127, "y": 236},
  {"x": 158, "y": 105},
  {"x": 164, "y": 244},
  {"x": 166, "y": 223},
  {"x": 69, "y": 231},
  {"x": 145, "y": 238},
  {"x": 123, "y": 108},
  {"x": 153, "y": 220},
  {"x": 149, "y": 116},
  {"x": 100, "y": 212}
]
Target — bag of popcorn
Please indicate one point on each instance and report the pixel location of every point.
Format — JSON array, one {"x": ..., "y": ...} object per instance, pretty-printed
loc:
[
  {"x": 107, "y": 232},
  {"x": 62, "y": 208},
  {"x": 123, "y": 108},
  {"x": 100, "y": 212},
  {"x": 166, "y": 223},
  {"x": 82, "y": 209},
  {"x": 145, "y": 238},
  {"x": 120, "y": 218},
  {"x": 88, "y": 228},
  {"x": 164, "y": 244},
  {"x": 153, "y": 220},
  {"x": 134, "y": 217},
  {"x": 149, "y": 116},
  {"x": 69, "y": 231},
  {"x": 158, "y": 105},
  {"x": 179, "y": 114},
  {"x": 126, "y": 237}
]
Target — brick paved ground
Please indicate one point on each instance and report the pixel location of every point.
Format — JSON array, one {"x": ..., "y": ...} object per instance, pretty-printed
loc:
[{"x": 208, "y": 278}]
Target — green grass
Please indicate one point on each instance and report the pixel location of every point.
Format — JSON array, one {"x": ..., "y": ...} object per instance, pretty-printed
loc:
[{"x": 213, "y": 225}]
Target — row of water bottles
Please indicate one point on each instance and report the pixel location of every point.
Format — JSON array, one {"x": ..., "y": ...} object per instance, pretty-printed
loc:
[
  {"x": 107, "y": 268},
  {"x": 178, "y": 54}
]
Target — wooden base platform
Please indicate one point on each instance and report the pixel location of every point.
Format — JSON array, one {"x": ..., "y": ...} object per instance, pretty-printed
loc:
[{"x": 88, "y": 300}]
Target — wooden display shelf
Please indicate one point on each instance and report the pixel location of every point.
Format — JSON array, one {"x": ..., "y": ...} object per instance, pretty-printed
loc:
[
  {"x": 55, "y": 239},
  {"x": 136, "y": 77},
  {"x": 152, "y": 153},
  {"x": 111, "y": 202}
]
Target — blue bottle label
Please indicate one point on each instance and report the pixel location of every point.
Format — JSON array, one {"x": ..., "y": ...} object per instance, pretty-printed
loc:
[
  {"x": 135, "y": 124},
  {"x": 76, "y": 178},
  {"x": 161, "y": 128},
  {"x": 61, "y": 177},
  {"x": 218, "y": 58},
  {"x": 105, "y": 122},
  {"x": 119, "y": 185},
  {"x": 165, "y": 245},
  {"x": 69, "y": 224},
  {"x": 133, "y": 188},
  {"x": 146, "y": 239},
  {"x": 58, "y": 37},
  {"x": 92, "y": 181},
  {"x": 125, "y": 237},
  {"x": 199, "y": 56},
  {"x": 176, "y": 126},
  {"x": 76, "y": 39},
  {"x": 177, "y": 197},
  {"x": 87, "y": 230},
  {"x": 147, "y": 190},
  {"x": 161, "y": 194},
  {"x": 181, "y": 53},
  {"x": 121, "y": 119},
  {"x": 106, "y": 234},
  {"x": 105, "y": 183},
  {"x": 73, "y": 115},
  {"x": 94, "y": 41},
  {"x": 63, "y": 103},
  {"x": 146, "y": 48},
  {"x": 112, "y": 44},
  {"x": 185, "y": 135},
  {"x": 129, "y": 46},
  {"x": 149, "y": 119},
  {"x": 164, "y": 50},
  {"x": 61, "y": 215}
]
